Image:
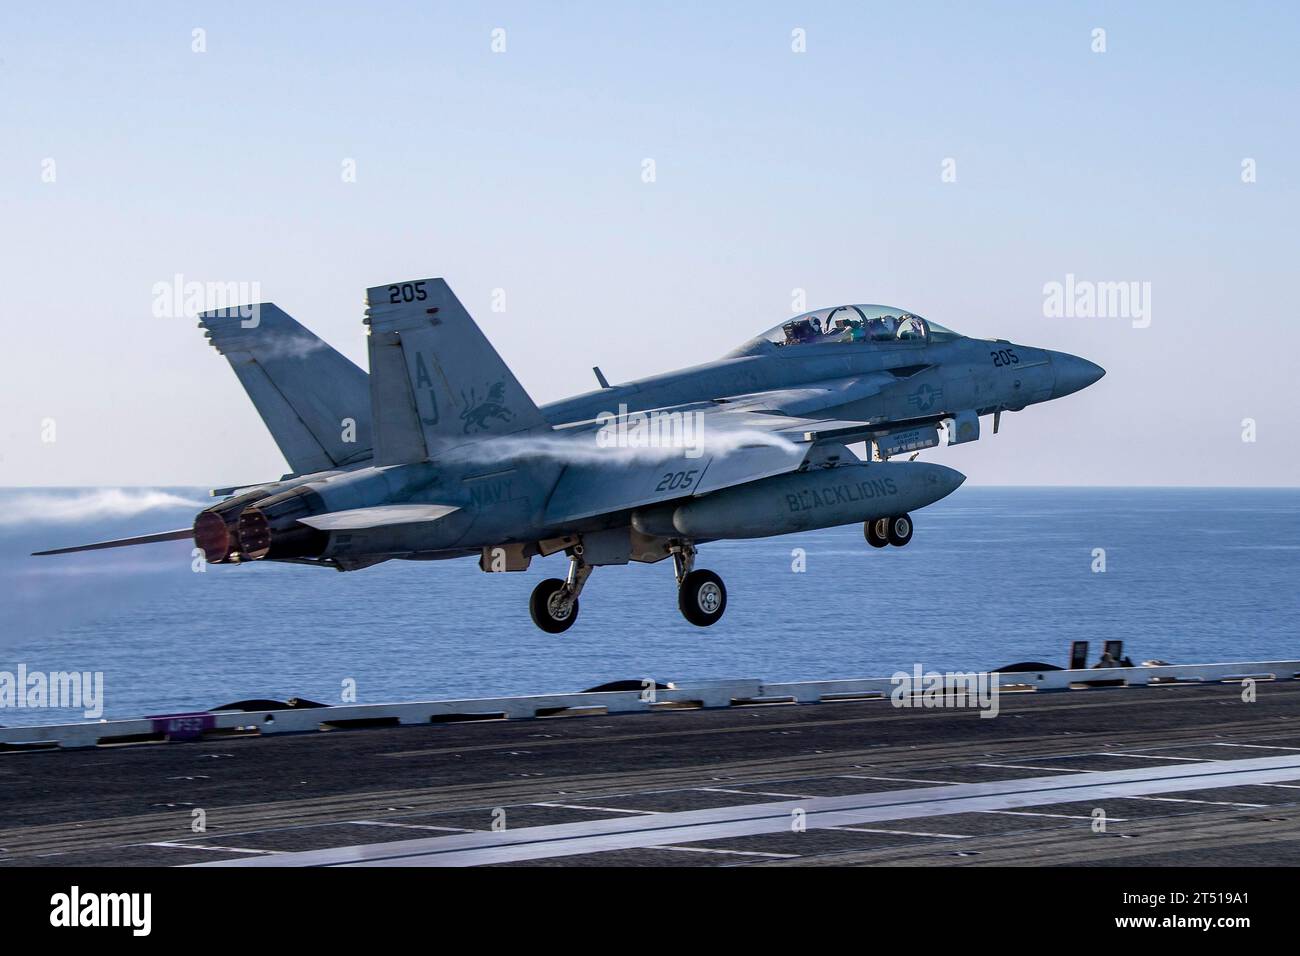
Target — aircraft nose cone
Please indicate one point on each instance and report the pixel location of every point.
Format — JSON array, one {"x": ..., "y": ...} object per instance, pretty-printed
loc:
[
  {"x": 944, "y": 480},
  {"x": 1073, "y": 373}
]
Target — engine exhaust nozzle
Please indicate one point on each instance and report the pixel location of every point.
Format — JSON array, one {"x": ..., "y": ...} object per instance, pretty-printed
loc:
[
  {"x": 271, "y": 529},
  {"x": 254, "y": 535},
  {"x": 213, "y": 536}
]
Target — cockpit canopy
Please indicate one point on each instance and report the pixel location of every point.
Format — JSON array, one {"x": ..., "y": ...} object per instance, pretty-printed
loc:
[{"x": 855, "y": 323}]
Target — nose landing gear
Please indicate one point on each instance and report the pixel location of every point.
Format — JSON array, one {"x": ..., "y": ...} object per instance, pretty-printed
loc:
[
  {"x": 877, "y": 532},
  {"x": 882, "y": 531},
  {"x": 900, "y": 530}
]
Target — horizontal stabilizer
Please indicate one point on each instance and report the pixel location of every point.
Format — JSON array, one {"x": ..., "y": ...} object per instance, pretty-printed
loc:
[
  {"x": 381, "y": 516},
  {"x": 180, "y": 534},
  {"x": 231, "y": 490}
]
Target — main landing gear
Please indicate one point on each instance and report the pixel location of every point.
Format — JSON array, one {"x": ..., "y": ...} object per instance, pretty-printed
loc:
[
  {"x": 701, "y": 595},
  {"x": 882, "y": 531},
  {"x": 554, "y": 604}
]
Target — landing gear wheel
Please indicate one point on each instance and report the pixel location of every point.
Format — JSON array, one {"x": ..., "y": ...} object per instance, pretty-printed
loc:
[
  {"x": 551, "y": 608},
  {"x": 702, "y": 598},
  {"x": 877, "y": 532},
  {"x": 900, "y": 530}
]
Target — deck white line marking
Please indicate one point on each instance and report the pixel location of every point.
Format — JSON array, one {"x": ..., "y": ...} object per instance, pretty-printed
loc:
[
  {"x": 579, "y": 806},
  {"x": 1211, "y": 803},
  {"x": 1153, "y": 757},
  {"x": 943, "y": 836},
  {"x": 719, "y": 823},
  {"x": 732, "y": 852},
  {"x": 408, "y": 826},
  {"x": 1057, "y": 816},
  {"x": 218, "y": 849},
  {"x": 1258, "y": 746},
  {"x": 758, "y": 793},
  {"x": 705, "y": 849},
  {"x": 859, "y": 776},
  {"x": 1021, "y": 766}
]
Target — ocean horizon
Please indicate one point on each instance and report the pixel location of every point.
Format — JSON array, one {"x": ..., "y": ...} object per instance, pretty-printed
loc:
[{"x": 993, "y": 576}]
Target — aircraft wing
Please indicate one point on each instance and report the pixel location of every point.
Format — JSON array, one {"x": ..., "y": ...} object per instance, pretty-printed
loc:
[
  {"x": 745, "y": 438},
  {"x": 792, "y": 413},
  {"x": 808, "y": 399},
  {"x": 623, "y": 481},
  {"x": 845, "y": 431}
]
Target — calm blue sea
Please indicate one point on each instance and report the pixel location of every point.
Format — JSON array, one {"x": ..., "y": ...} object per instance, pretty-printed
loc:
[{"x": 992, "y": 576}]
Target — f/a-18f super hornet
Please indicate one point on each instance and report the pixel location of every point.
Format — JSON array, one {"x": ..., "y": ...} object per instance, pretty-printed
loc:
[{"x": 440, "y": 453}]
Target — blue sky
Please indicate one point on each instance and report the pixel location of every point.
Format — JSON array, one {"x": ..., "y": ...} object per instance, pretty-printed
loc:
[{"x": 775, "y": 171}]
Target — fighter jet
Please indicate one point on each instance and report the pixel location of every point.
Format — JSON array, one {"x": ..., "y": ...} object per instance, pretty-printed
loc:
[{"x": 440, "y": 453}]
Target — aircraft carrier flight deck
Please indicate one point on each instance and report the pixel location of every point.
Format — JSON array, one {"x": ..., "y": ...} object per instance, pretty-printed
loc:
[{"x": 1180, "y": 773}]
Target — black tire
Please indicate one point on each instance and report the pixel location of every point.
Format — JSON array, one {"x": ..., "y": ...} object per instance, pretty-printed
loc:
[
  {"x": 900, "y": 530},
  {"x": 542, "y": 610},
  {"x": 877, "y": 532},
  {"x": 702, "y": 598}
]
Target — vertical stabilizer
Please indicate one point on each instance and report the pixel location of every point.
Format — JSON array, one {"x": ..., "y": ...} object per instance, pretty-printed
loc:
[
  {"x": 435, "y": 380},
  {"x": 315, "y": 403}
]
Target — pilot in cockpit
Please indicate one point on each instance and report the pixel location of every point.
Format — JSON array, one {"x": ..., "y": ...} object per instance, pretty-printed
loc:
[
  {"x": 910, "y": 327},
  {"x": 882, "y": 329},
  {"x": 798, "y": 331}
]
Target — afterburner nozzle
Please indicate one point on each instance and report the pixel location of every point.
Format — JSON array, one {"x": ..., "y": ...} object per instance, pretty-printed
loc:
[
  {"x": 213, "y": 536},
  {"x": 216, "y": 528},
  {"x": 254, "y": 535},
  {"x": 271, "y": 528}
]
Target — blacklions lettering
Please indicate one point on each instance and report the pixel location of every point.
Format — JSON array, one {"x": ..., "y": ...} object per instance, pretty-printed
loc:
[{"x": 841, "y": 494}]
